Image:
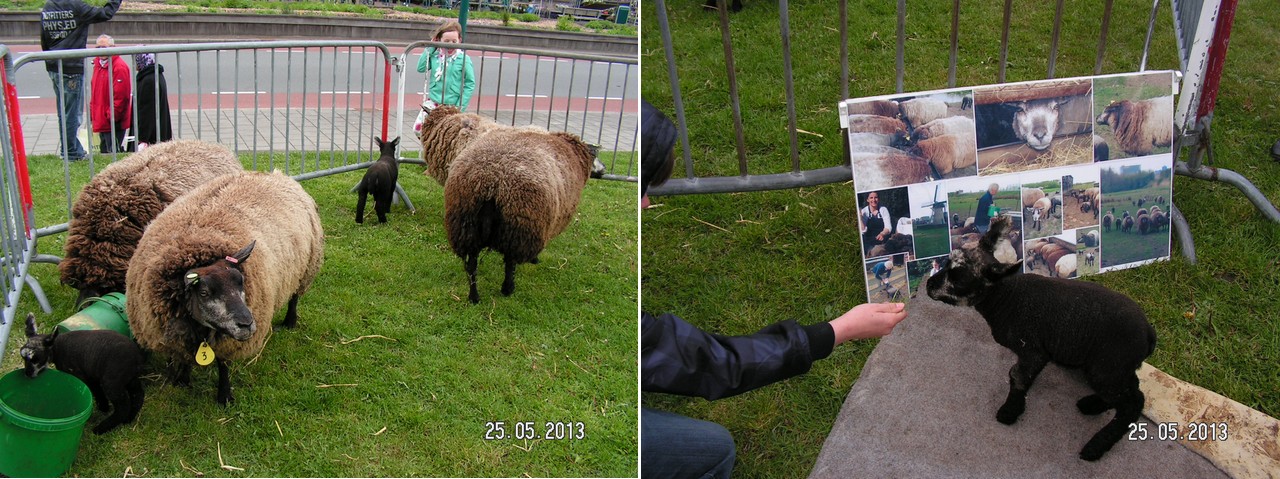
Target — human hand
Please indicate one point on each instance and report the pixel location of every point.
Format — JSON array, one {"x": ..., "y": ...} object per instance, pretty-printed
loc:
[
  {"x": 871, "y": 320},
  {"x": 880, "y": 237}
]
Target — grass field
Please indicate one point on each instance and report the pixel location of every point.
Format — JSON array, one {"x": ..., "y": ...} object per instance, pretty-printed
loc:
[
  {"x": 931, "y": 240},
  {"x": 391, "y": 372},
  {"x": 792, "y": 254}
]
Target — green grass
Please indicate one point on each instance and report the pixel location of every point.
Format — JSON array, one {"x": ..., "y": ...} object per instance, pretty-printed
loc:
[
  {"x": 931, "y": 240},
  {"x": 561, "y": 348},
  {"x": 794, "y": 254}
]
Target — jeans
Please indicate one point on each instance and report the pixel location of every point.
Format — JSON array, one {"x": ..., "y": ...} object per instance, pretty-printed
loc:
[
  {"x": 68, "y": 89},
  {"x": 675, "y": 446}
]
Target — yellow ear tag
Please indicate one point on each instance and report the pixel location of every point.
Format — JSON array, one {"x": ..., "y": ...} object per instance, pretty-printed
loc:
[{"x": 204, "y": 355}]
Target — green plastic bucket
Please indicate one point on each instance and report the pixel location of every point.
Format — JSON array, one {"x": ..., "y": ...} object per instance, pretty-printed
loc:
[
  {"x": 106, "y": 312},
  {"x": 41, "y": 421}
]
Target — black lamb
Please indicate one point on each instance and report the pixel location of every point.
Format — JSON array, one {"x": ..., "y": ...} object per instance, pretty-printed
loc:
[
  {"x": 106, "y": 361},
  {"x": 380, "y": 181},
  {"x": 1075, "y": 324}
]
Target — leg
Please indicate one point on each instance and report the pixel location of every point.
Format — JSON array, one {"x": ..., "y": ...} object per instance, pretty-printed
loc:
[
  {"x": 509, "y": 279},
  {"x": 118, "y": 394},
  {"x": 382, "y": 205},
  {"x": 677, "y": 446},
  {"x": 99, "y": 396},
  {"x": 1128, "y": 400},
  {"x": 291, "y": 314},
  {"x": 136, "y": 396},
  {"x": 180, "y": 373},
  {"x": 471, "y": 260},
  {"x": 1092, "y": 405},
  {"x": 224, "y": 383},
  {"x": 360, "y": 203},
  {"x": 1021, "y": 375},
  {"x": 66, "y": 89}
]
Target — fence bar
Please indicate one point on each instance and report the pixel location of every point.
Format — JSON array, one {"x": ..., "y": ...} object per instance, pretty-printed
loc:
[
  {"x": 1183, "y": 231},
  {"x": 844, "y": 47},
  {"x": 1053, "y": 43},
  {"x": 1004, "y": 41},
  {"x": 675, "y": 87},
  {"x": 727, "y": 41},
  {"x": 902, "y": 41},
  {"x": 785, "y": 19},
  {"x": 1151, "y": 27},
  {"x": 736, "y": 184},
  {"x": 1102, "y": 38},
  {"x": 955, "y": 44}
]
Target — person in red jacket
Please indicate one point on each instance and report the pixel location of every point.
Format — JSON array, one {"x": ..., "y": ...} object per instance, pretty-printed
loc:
[{"x": 111, "y": 93}]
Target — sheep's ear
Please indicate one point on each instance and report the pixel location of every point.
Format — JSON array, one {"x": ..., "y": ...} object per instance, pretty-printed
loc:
[
  {"x": 243, "y": 254},
  {"x": 1000, "y": 270},
  {"x": 395, "y": 142},
  {"x": 31, "y": 325},
  {"x": 190, "y": 278},
  {"x": 377, "y": 141}
]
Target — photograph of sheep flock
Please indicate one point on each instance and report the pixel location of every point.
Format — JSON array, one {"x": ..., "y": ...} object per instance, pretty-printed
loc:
[
  {"x": 1058, "y": 157},
  {"x": 369, "y": 352}
]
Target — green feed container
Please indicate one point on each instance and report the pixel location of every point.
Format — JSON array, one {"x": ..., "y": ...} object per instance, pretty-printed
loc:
[
  {"x": 106, "y": 312},
  {"x": 41, "y": 421}
]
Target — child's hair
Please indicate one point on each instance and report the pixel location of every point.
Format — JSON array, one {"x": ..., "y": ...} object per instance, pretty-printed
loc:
[
  {"x": 657, "y": 142},
  {"x": 447, "y": 26}
]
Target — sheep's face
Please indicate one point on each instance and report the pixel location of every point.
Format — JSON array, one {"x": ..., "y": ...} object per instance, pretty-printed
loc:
[
  {"x": 215, "y": 297},
  {"x": 38, "y": 350},
  {"x": 1036, "y": 121},
  {"x": 1110, "y": 114},
  {"x": 971, "y": 269}
]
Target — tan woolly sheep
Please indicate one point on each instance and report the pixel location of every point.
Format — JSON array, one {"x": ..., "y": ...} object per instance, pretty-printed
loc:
[
  {"x": 948, "y": 153},
  {"x": 117, "y": 204},
  {"x": 192, "y": 279},
  {"x": 509, "y": 189},
  {"x": 445, "y": 132}
]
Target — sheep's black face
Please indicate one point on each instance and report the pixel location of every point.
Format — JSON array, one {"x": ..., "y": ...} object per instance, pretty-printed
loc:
[
  {"x": 971, "y": 270},
  {"x": 215, "y": 299},
  {"x": 38, "y": 350}
]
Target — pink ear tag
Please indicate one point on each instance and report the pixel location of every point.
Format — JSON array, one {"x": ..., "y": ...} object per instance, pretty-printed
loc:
[{"x": 233, "y": 260}]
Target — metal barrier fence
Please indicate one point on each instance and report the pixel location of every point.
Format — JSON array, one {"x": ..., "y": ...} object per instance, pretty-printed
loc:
[
  {"x": 17, "y": 235},
  {"x": 308, "y": 108},
  {"x": 1202, "y": 28},
  {"x": 513, "y": 86}
]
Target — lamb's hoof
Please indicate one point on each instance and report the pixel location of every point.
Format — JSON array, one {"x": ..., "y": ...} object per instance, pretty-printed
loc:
[
  {"x": 1009, "y": 413},
  {"x": 508, "y": 289},
  {"x": 359, "y": 221},
  {"x": 534, "y": 260},
  {"x": 474, "y": 298},
  {"x": 227, "y": 399},
  {"x": 1092, "y": 453},
  {"x": 100, "y": 429},
  {"x": 1092, "y": 404}
]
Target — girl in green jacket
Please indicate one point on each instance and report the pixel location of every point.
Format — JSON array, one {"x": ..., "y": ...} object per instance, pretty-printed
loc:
[{"x": 450, "y": 77}]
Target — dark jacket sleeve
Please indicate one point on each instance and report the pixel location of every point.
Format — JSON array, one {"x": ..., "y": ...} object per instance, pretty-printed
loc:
[
  {"x": 91, "y": 14},
  {"x": 678, "y": 358}
]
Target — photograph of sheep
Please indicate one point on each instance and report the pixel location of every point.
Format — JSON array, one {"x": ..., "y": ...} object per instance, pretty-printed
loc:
[
  {"x": 1088, "y": 247},
  {"x": 887, "y": 279},
  {"x": 1134, "y": 115},
  {"x": 1082, "y": 200},
  {"x": 1042, "y": 203},
  {"x": 893, "y": 141},
  {"x": 929, "y": 219},
  {"x": 920, "y": 270},
  {"x": 1136, "y": 192},
  {"x": 1033, "y": 125},
  {"x": 884, "y": 222},
  {"x": 1054, "y": 256},
  {"x": 389, "y": 370}
]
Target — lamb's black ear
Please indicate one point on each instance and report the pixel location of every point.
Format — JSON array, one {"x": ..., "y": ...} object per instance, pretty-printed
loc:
[
  {"x": 31, "y": 325},
  {"x": 377, "y": 141},
  {"x": 395, "y": 143},
  {"x": 1000, "y": 270},
  {"x": 999, "y": 226},
  {"x": 242, "y": 255}
]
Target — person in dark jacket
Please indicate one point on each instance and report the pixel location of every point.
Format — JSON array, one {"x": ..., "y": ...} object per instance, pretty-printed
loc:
[
  {"x": 64, "y": 25},
  {"x": 153, "y": 124},
  {"x": 678, "y": 358},
  {"x": 982, "y": 217}
]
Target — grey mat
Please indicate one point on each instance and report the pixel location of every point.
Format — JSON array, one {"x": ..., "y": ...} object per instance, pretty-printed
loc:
[{"x": 926, "y": 402}]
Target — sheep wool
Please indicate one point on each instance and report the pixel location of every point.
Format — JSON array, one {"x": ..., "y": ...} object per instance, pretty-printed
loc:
[
  {"x": 115, "y": 206},
  {"x": 1141, "y": 126},
  {"x": 445, "y": 132},
  {"x": 206, "y": 225},
  {"x": 535, "y": 179}
]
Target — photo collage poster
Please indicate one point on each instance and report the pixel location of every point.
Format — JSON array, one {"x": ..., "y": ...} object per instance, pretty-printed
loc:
[{"x": 1083, "y": 167}]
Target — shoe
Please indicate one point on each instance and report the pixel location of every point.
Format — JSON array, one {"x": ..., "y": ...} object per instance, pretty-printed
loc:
[{"x": 78, "y": 158}]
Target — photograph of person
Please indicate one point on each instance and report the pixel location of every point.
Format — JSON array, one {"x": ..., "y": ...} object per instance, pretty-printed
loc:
[{"x": 879, "y": 222}]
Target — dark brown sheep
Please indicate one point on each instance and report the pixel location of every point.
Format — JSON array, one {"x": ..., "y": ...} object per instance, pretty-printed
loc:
[{"x": 116, "y": 205}]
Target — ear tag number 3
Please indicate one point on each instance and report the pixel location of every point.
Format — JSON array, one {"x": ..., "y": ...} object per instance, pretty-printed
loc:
[{"x": 204, "y": 355}]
